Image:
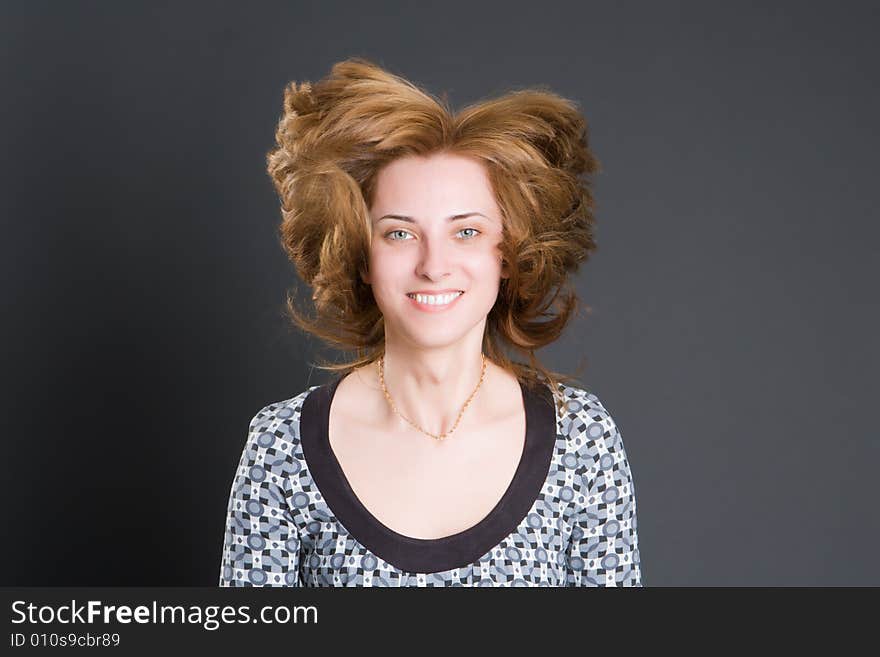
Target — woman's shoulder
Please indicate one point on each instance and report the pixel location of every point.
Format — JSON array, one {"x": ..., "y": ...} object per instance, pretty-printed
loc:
[
  {"x": 586, "y": 423},
  {"x": 274, "y": 430},
  {"x": 283, "y": 411},
  {"x": 578, "y": 398}
]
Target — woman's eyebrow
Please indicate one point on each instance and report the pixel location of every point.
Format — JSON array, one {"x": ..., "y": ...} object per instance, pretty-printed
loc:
[{"x": 454, "y": 217}]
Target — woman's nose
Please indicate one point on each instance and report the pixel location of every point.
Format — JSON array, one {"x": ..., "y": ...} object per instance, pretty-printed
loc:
[{"x": 433, "y": 259}]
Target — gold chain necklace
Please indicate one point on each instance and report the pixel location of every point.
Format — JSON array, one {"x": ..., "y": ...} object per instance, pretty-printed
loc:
[{"x": 394, "y": 408}]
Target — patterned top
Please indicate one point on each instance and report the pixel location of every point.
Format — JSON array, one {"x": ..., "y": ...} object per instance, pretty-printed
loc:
[{"x": 568, "y": 517}]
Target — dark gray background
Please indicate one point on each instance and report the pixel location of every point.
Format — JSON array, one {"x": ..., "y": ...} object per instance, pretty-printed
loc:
[{"x": 734, "y": 319}]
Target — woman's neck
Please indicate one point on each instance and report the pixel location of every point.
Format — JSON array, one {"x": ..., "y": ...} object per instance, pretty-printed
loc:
[{"x": 431, "y": 390}]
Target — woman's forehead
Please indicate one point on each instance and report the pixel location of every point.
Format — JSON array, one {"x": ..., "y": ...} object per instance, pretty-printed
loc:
[{"x": 441, "y": 185}]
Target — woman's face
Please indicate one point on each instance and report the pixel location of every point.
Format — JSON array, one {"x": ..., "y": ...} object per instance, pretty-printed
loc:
[{"x": 443, "y": 238}]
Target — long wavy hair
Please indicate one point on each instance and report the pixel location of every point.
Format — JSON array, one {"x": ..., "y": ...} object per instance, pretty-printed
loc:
[{"x": 334, "y": 137}]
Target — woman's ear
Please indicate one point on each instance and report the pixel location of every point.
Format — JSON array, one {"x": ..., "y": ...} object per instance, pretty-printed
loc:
[{"x": 365, "y": 277}]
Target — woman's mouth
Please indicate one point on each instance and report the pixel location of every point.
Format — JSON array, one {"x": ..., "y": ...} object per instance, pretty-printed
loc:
[{"x": 434, "y": 302}]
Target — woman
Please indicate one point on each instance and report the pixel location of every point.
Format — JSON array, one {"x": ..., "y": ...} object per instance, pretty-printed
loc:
[{"x": 431, "y": 240}]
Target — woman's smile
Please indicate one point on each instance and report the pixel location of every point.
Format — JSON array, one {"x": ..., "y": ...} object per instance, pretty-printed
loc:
[{"x": 434, "y": 303}]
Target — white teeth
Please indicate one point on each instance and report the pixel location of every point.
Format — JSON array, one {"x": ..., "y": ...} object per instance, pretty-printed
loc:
[{"x": 434, "y": 300}]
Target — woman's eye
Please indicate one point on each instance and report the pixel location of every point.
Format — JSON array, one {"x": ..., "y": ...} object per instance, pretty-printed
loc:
[{"x": 404, "y": 232}]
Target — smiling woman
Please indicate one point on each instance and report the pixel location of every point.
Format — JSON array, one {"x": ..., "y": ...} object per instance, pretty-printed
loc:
[
  {"x": 442, "y": 260},
  {"x": 434, "y": 242}
]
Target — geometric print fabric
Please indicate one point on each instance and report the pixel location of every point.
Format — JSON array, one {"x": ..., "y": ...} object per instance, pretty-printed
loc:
[{"x": 581, "y": 529}]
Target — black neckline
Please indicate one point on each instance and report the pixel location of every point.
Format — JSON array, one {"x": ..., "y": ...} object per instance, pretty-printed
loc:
[{"x": 420, "y": 555}]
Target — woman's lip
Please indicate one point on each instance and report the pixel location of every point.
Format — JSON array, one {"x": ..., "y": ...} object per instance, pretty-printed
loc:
[{"x": 424, "y": 307}]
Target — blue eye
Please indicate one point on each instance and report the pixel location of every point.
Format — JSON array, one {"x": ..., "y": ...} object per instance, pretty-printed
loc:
[
  {"x": 473, "y": 229},
  {"x": 406, "y": 232}
]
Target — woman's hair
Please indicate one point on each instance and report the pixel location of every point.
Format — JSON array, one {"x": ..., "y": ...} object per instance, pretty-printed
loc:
[{"x": 337, "y": 134}]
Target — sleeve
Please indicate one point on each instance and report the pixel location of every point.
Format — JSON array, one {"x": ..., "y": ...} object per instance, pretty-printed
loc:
[
  {"x": 604, "y": 547},
  {"x": 261, "y": 545}
]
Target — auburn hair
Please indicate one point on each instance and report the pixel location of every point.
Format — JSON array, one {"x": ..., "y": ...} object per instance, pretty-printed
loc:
[{"x": 335, "y": 136}]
